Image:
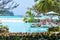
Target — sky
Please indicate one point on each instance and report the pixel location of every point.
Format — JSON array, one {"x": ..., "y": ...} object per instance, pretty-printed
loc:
[{"x": 22, "y": 8}]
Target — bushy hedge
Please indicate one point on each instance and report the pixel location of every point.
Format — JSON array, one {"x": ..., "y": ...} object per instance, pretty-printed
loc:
[
  {"x": 33, "y": 36},
  {"x": 9, "y": 38}
]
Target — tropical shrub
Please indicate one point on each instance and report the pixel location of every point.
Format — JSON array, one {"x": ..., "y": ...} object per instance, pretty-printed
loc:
[{"x": 53, "y": 29}]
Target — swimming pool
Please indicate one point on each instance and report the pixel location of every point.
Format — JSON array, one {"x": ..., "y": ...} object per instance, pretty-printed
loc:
[{"x": 18, "y": 26}]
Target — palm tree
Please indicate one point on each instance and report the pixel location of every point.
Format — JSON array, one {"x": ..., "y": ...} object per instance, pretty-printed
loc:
[
  {"x": 55, "y": 0},
  {"x": 30, "y": 15},
  {"x": 44, "y": 6}
]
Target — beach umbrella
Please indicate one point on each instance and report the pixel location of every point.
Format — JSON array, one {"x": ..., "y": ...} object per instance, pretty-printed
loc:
[{"x": 51, "y": 13}]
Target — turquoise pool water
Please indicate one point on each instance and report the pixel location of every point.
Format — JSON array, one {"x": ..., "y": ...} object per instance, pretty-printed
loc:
[{"x": 21, "y": 27}]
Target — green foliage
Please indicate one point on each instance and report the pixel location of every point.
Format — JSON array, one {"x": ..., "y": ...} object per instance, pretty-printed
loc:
[
  {"x": 53, "y": 29},
  {"x": 30, "y": 17},
  {"x": 25, "y": 19},
  {"x": 44, "y": 6},
  {"x": 4, "y": 27}
]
